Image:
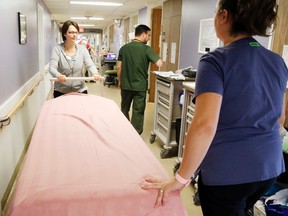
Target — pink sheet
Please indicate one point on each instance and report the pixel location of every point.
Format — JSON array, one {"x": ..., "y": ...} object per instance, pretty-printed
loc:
[{"x": 86, "y": 159}]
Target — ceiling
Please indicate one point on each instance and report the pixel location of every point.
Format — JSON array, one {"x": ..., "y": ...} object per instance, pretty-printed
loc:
[{"x": 62, "y": 10}]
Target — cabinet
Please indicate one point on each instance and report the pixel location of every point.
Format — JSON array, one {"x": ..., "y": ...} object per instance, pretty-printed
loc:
[
  {"x": 167, "y": 109},
  {"x": 187, "y": 114}
]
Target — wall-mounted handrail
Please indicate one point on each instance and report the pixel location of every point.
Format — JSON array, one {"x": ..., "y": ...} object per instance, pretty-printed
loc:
[{"x": 4, "y": 121}]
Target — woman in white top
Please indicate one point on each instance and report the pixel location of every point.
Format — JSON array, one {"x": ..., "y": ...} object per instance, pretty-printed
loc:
[{"x": 68, "y": 59}]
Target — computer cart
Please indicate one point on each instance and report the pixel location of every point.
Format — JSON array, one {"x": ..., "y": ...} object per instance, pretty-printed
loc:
[
  {"x": 187, "y": 115},
  {"x": 167, "y": 109},
  {"x": 186, "y": 119}
]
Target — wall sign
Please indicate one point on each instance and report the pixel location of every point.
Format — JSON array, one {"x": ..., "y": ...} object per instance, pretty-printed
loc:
[
  {"x": 22, "y": 27},
  {"x": 208, "y": 40},
  {"x": 285, "y": 54}
]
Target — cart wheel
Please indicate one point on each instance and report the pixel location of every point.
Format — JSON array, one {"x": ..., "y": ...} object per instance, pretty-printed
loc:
[
  {"x": 196, "y": 198},
  {"x": 152, "y": 138},
  {"x": 176, "y": 167},
  {"x": 164, "y": 153}
]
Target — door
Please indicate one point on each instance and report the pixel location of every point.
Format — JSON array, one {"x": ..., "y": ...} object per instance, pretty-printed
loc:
[
  {"x": 280, "y": 38},
  {"x": 170, "y": 40},
  {"x": 155, "y": 44},
  {"x": 171, "y": 34}
]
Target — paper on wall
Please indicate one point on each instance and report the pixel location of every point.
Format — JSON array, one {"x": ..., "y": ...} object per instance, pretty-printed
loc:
[
  {"x": 285, "y": 54},
  {"x": 173, "y": 53},
  {"x": 164, "y": 56}
]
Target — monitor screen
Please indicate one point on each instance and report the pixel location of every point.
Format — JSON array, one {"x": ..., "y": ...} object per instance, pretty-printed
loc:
[{"x": 111, "y": 56}]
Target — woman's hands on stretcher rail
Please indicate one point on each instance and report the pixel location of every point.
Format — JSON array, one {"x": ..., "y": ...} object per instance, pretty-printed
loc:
[
  {"x": 98, "y": 77},
  {"x": 63, "y": 78}
]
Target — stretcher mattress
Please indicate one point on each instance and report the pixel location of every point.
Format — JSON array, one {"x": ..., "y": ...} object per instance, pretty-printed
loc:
[{"x": 86, "y": 159}]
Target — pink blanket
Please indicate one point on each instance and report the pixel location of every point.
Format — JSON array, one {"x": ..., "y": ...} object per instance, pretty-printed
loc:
[{"x": 86, "y": 159}]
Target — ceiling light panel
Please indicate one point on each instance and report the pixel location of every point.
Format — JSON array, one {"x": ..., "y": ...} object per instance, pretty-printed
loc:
[
  {"x": 96, "y": 18},
  {"x": 78, "y": 18},
  {"x": 96, "y": 3},
  {"x": 86, "y": 25}
]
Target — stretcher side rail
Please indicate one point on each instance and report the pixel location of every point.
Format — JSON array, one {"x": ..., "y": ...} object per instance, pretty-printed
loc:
[{"x": 77, "y": 78}]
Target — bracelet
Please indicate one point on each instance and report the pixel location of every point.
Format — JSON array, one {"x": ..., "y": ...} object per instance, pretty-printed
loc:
[{"x": 181, "y": 180}]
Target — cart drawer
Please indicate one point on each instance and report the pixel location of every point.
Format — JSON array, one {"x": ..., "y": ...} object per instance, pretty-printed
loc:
[
  {"x": 163, "y": 95},
  {"x": 163, "y": 99},
  {"x": 162, "y": 131},
  {"x": 189, "y": 99},
  {"x": 189, "y": 118},
  {"x": 163, "y": 119},
  {"x": 190, "y": 110},
  {"x": 163, "y": 87},
  {"x": 163, "y": 108}
]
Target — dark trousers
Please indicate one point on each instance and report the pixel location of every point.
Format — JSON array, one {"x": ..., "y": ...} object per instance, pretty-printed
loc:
[
  {"x": 58, "y": 94},
  {"x": 231, "y": 200},
  {"x": 138, "y": 108}
]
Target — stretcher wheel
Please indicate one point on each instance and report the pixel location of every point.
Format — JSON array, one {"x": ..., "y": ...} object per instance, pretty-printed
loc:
[
  {"x": 152, "y": 137},
  {"x": 164, "y": 153}
]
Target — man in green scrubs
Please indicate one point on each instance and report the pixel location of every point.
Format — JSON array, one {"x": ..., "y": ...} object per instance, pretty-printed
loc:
[{"x": 132, "y": 71}]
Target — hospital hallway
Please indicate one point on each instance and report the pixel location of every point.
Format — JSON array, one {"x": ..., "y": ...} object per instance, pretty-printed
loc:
[{"x": 113, "y": 93}]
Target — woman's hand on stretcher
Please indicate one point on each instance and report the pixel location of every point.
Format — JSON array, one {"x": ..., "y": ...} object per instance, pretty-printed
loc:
[
  {"x": 163, "y": 187},
  {"x": 97, "y": 77},
  {"x": 61, "y": 78}
]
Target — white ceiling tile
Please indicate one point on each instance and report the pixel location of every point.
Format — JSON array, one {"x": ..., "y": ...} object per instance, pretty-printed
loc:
[{"x": 61, "y": 10}]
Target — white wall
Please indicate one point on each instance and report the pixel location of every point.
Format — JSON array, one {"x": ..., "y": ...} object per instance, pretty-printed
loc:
[
  {"x": 118, "y": 38},
  {"x": 15, "y": 136},
  {"x": 19, "y": 70},
  {"x": 192, "y": 12}
]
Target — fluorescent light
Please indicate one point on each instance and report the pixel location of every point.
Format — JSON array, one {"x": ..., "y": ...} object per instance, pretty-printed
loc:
[
  {"x": 96, "y": 18},
  {"x": 86, "y": 25},
  {"x": 85, "y": 18},
  {"x": 79, "y": 18},
  {"x": 96, "y": 3}
]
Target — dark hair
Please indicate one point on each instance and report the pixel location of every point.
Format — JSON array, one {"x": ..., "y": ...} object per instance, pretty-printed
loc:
[
  {"x": 66, "y": 26},
  {"x": 254, "y": 17},
  {"x": 140, "y": 29}
]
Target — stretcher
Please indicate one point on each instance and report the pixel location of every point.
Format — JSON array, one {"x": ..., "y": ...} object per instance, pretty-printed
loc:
[{"x": 86, "y": 159}]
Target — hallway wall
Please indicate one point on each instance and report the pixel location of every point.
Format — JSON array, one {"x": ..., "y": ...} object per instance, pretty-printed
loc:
[
  {"x": 192, "y": 12},
  {"x": 20, "y": 62},
  {"x": 19, "y": 71}
]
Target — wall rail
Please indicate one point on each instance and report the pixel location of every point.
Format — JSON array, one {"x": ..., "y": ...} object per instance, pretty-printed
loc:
[{"x": 6, "y": 120}]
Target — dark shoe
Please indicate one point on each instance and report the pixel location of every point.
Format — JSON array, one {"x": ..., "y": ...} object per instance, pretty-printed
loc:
[{"x": 196, "y": 199}]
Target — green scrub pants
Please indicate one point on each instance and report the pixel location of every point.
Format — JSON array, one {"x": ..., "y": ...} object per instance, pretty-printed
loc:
[{"x": 138, "y": 108}]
